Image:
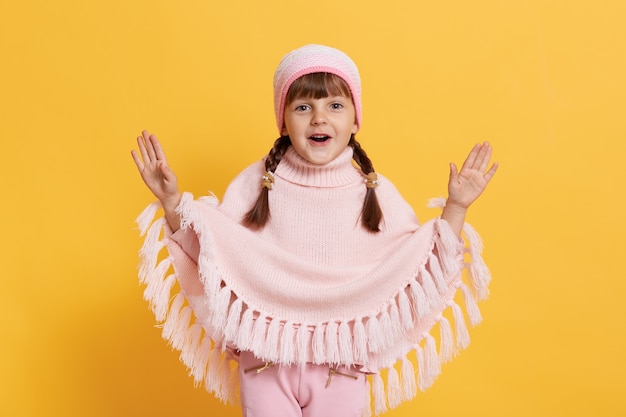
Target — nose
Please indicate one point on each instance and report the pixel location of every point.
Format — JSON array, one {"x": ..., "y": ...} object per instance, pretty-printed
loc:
[{"x": 318, "y": 118}]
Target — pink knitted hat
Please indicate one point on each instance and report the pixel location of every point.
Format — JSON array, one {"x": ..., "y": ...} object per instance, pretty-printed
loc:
[{"x": 307, "y": 60}]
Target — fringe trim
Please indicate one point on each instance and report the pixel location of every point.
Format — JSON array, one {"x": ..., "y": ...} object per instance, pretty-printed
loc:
[
  {"x": 206, "y": 361},
  {"x": 446, "y": 345},
  {"x": 367, "y": 409},
  {"x": 145, "y": 218},
  {"x": 344, "y": 342},
  {"x": 409, "y": 384},
  {"x": 394, "y": 390},
  {"x": 479, "y": 273},
  {"x": 378, "y": 393},
  {"x": 417, "y": 302},
  {"x": 288, "y": 344},
  {"x": 437, "y": 202},
  {"x": 346, "y": 350}
]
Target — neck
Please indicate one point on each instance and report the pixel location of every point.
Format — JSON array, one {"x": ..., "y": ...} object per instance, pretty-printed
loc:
[{"x": 339, "y": 172}]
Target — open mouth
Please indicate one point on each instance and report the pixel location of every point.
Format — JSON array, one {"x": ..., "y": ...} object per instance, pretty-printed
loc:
[{"x": 319, "y": 138}]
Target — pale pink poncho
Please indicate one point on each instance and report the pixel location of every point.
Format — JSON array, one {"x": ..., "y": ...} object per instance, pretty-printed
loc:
[{"x": 313, "y": 285}]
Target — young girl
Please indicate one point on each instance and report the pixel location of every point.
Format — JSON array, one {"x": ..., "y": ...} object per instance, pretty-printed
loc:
[{"x": 312, "y": 275}]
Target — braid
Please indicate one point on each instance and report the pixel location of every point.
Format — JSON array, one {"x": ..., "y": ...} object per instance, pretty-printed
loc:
[
  {"x": 371, "y": 213},
  {"x": 276, "y": 153},
  {"x": 259, "y": 214}
]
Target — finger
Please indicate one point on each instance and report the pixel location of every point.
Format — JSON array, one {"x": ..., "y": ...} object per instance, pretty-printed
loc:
[
  {"x": 137, "y": 160},
  {"x": 454, "y": 172},
  {"x": 158, "y": 150},
  {"x": 141, "y": 143},
  {"x": 483, "y": 158},
  {"x": 471, "y": 158},
  {"x": 168, "y": 174},
  {"x": 149, "y": 146},
  {"x": 489, "y": 175}
]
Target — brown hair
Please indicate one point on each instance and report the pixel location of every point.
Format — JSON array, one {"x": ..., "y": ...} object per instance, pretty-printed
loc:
[{"x": 316, "y": 85}]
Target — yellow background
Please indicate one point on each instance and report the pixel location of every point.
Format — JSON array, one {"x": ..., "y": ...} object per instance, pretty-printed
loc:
[{"x": 542, "y": 80}]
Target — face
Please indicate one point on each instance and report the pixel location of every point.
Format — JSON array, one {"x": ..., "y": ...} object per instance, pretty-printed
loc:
[{"x": 320, "y": 129}]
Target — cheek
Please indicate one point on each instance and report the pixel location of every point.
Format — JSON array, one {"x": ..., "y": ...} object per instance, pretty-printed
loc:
[{"x": 287, "y": 127}]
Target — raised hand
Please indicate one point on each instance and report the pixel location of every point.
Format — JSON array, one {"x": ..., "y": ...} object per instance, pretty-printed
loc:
[
  {"x": 154, "y": 170},
  {"x": 467, "y": 185}
]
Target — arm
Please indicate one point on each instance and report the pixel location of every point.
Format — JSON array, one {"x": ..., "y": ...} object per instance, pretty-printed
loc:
[
  {"x": 466, "y": 186},
  {"x": 158, "y": 176}
]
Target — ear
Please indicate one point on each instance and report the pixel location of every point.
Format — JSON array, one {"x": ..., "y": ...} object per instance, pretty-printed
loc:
[
  {"x": 355, "y": 128},
  {"x": 284, "y": 132}
]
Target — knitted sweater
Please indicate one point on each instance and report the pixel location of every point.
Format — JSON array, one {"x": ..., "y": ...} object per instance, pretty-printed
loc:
[{"x": 313, "y": 285}]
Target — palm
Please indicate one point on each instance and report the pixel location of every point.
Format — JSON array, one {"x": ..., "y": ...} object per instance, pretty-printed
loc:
[
  {"x": 152, "y": 166},
  {"x": 468, "y": 184}
]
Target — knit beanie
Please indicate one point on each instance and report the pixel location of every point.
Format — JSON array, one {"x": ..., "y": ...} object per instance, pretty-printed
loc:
[{"x": 309, "y": 59}]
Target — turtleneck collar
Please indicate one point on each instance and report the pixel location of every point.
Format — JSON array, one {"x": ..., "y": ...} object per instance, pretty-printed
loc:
[{"x": 337, "y": 173}]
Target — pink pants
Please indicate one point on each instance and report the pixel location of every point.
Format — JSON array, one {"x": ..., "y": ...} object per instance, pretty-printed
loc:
[{"x": 309, "y": 391}]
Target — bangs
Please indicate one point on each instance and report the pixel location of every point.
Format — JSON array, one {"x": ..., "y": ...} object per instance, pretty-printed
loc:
[{"x": 318, "y": 85}]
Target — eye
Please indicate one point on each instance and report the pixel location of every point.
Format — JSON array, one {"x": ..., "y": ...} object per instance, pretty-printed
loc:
[
  {"x": 302, "y": 107},
  {"x": 336, "y": 106}
]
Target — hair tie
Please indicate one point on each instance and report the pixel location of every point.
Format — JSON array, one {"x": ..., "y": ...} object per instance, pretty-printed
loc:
[
  {"x": 371, "y": 181},
  {"x": 268, "y": 180}
]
